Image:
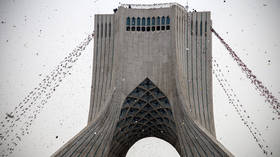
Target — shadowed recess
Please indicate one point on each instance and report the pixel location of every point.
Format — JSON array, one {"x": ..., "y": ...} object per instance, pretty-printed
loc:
[{"x": 146, "y": 112}]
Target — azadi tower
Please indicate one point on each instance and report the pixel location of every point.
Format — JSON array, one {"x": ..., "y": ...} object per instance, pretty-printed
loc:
[{"x": 152, "y": 77}]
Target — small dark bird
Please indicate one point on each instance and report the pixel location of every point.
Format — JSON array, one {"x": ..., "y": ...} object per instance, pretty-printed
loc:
[
  {"x": 9, "y": 115},
  {"x": 18, "y": 138}
]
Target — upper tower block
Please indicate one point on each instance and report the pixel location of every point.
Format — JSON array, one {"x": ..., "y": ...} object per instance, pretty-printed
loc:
[
  {"x": 148, "y": 17},
  {"x": 162, "y": 42}
]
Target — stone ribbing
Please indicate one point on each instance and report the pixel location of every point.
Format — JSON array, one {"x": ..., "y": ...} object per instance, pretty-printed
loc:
[
  {"x": 193, "y": 48},
  {"x": 145, "y": 112},
  {"x": 100, "y": 137},
  {"x": 90, "y": 141},
  {"x": 178, "y": 63},
  {"x": 102, "y": 62}
]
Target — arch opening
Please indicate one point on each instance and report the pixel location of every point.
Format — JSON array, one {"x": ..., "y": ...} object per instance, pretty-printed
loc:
[
  {"x": 152, "y": 146},
  {"x": 146, "y": 112}
]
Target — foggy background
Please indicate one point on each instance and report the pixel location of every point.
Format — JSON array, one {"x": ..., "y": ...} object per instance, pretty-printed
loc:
[{"x": 35, "y": 35}]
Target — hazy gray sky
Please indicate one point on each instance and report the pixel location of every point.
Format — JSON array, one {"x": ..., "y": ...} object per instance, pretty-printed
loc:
[{"x": 35, "y": 35}]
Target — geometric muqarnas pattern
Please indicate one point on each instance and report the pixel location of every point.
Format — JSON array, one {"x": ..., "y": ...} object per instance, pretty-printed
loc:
[
  {"x": 124, "y": 108},
  {"x": 145, "y": 112}
]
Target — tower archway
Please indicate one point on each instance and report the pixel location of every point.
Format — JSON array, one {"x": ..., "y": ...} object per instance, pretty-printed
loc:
[
  {"x": 152, "y": 146},
  {"x": 145, "y": 112}
]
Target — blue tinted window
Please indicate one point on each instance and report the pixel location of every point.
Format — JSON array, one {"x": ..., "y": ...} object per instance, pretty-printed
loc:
[
  {"x": 127, "y": 21},
  {"x": 153, "y": 21},
  {"x": 138, "y": 21},
  {"x": 158, "y": 20},
  {"x": 148, "y": 21},
  {"x": 143, "y": 21},
  {"x": 163, "y": 20},
  {"x": 133, "y": 21},
  {"x": 167, "y": 20}
]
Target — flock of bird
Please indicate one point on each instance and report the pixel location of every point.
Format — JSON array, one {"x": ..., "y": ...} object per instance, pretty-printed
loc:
[
  {"x": 242, "y": 113},
  {"x": 17, "y": 123},
  {"x": 259, "y": 86},
  {"x": 233, "y": 100}
]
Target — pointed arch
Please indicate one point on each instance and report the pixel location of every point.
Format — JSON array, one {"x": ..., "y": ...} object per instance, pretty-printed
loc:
[
  {"x": 128, "y": 21},
  {"x": 146, "y": 112}
]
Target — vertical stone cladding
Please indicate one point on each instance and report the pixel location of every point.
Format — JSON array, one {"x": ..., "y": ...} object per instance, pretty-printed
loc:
[
  {"x": 102, "y": 63},
  {"x": 194, "y": 66},
  {"x": 151, "y": 78}
]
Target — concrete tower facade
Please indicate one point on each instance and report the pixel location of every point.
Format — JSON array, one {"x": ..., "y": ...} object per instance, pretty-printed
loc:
[{"x": 152, "y": 76}]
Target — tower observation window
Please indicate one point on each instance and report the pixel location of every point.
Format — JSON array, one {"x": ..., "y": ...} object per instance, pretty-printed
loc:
[
  {"x": 148, "y": 21},
  {"x": 152, "y": 24},
  {"x": 167, "y": 20},
  {"x": 143, "y": 24},
  {"x": 143, "y": 21},
  {"x": 138, "y": 21},
  {"x": 158, "y": 23},
  {"x": 133, "y": 24},
  {"x": 158, "y": 20},
  {"x": 158, "y": 28},
  {"x": 133, "y": 21},
  {"x": 127, "y": 21},
  {"x": 163, "y": 23},
  {"x": 167, "y": 27},
  {"x": 163, "y": 20},
  {"x": 167, "y": 23},
  {"x": 153, "y": 20}
]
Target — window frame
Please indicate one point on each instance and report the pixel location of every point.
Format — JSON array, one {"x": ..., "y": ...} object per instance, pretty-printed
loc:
[
  {"x": 167, "y": 20},
  {"x": 158, "y": 20},
  {"x": 133, "y": 21},
  {"x": 148, "y": 21},
  {"x": 153, "y": 21},
  {"x": 143, "y": 21},
  {"x": 138, "y": 21},
  {"x": 128, "y": 21},
  {"x": 163, "y": 20}
]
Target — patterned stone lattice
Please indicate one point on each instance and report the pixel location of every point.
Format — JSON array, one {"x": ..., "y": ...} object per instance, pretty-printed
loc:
[{"x": 145, "y": 112}]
